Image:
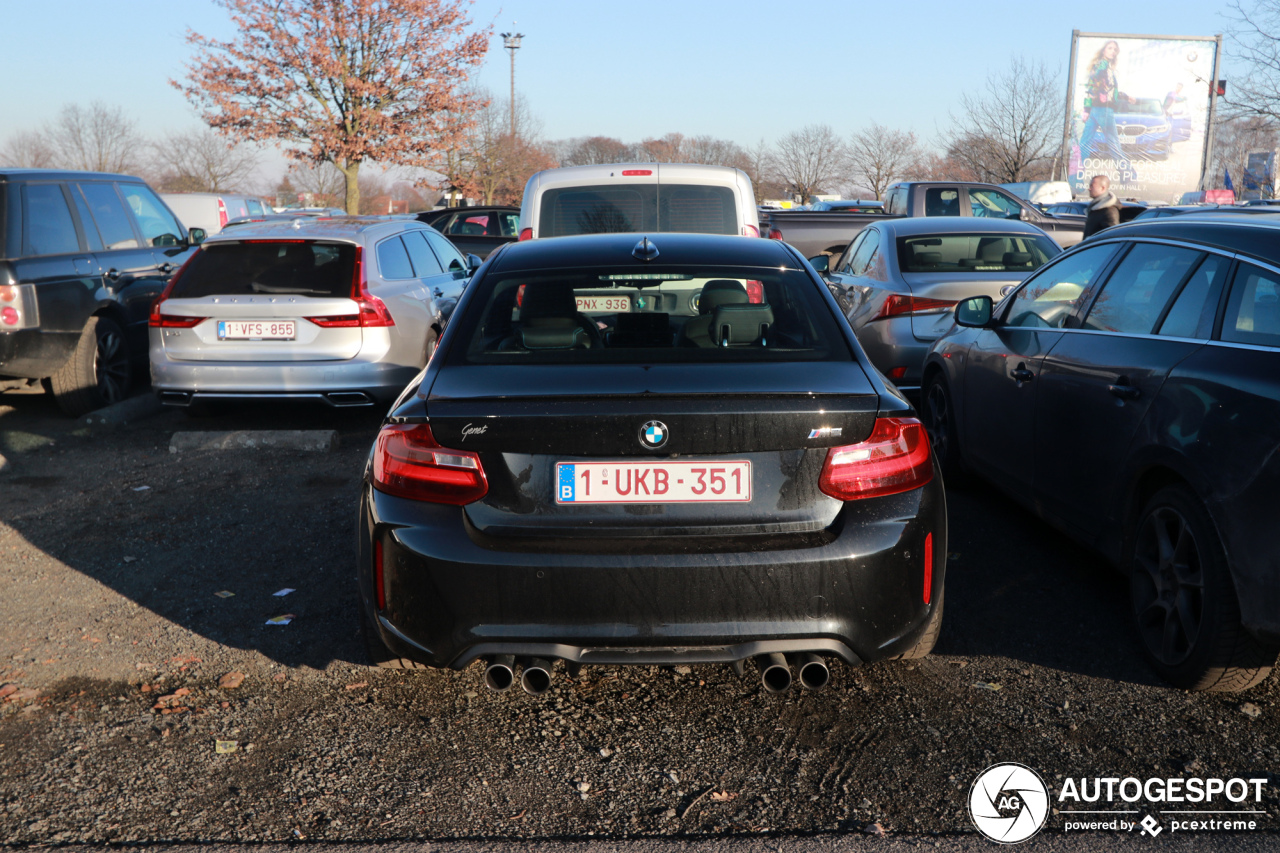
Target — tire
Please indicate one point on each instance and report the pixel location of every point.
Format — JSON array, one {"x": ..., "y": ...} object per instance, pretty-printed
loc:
[
  {"x": 940, "y": 423},
  {"x": 929, "y": 638},
  {"x": 98, "y": 372},
  {"x": 376, "y": 650},
  {"x": 1183, "y": 601}
]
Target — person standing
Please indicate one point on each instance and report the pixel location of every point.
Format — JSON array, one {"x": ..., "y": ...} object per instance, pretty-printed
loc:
[
  {"x": 1101, "y": 92},
  {"x": 1104, "y": 210}
]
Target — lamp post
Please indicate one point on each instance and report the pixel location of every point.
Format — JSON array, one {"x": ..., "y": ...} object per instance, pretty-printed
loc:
[{"x": 511, "y": 41}]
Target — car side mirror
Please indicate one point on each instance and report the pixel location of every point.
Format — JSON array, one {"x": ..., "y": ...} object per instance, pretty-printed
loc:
[
  {"x": 473, "y": 262},
  {"x": 975, "y": 312},
  {"x": 821, "y": 263},
  {"x": 1025, "y": 215},
  {"x": 195, "y": 236}
]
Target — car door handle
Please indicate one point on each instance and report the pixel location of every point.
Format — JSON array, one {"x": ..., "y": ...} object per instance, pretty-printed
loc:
[
  {"x": 1021, "y": 374},
  {"x": 439, "y": 292},
  {"x": 113, "y": 274},
  {"x": 166, "y": 268},
  {"x": 1125, "y": 392}
]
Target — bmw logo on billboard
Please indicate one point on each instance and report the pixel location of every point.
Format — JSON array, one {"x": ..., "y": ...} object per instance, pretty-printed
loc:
[{"x": 653, "y": 434}]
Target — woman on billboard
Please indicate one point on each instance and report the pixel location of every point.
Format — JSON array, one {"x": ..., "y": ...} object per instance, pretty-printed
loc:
[{"x": 1101, "y": 92}]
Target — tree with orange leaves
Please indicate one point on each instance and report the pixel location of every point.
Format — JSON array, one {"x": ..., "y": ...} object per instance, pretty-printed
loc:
[{"x": 341, "y": 81}]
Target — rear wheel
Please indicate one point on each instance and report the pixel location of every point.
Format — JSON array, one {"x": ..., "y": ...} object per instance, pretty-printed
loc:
[
  {"x": 376, "y": 650},
  {"x": 98, "y": 372},
  {"x": 929, "y": 638},
  {"x": 1184, "y": 602},
  {"x": 940, "y": 423}
]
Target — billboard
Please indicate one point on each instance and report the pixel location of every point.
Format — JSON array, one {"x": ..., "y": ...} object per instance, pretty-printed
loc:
[{"x": 1139, "y": 110}]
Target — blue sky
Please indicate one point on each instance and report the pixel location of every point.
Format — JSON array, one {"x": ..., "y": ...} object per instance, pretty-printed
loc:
[{"x": 737, "y": 70}]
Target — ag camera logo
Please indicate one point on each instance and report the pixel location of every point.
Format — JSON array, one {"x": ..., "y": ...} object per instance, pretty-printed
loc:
[{"x": 1008, "y": 803}]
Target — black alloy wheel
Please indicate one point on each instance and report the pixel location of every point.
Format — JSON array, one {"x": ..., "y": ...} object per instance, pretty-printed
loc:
[
  {"x": 1184, "y": 600},
  {"x": 111, "y": 363},
  {"x": 939, "y": 423},
  {"x": 1168, "y": 586}
]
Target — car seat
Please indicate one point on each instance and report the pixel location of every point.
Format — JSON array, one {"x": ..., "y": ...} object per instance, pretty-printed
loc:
[
  {"x": 549, "y": 319},
  {"x": 715, "y": 293}
]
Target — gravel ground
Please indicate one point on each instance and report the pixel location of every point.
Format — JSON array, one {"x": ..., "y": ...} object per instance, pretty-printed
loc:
[{"x": 115, "y": 640}]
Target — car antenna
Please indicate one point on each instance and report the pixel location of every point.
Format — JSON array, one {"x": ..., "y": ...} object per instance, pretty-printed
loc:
[{"x": 645, "y": 250}]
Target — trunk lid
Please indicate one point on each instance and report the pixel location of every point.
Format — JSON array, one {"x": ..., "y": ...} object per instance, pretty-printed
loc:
[{"x": 931, "y": 325}]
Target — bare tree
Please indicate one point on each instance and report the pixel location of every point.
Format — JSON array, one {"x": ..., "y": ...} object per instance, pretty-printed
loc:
[
  {"x": 594, "y": 150},
  {"x": 811, "y": 159},
  {"x": 97, "y": 138},
  {"x": 27, "y": 149},
  {"x": 1255, "y": 43},
  {"x": 1010, "y": 130},
  {"x": 493, "y": 165},
  {"x": 203, "y": 161},
  {"x": 323, "y": 183},
  {"x": 761, "y": 166},
  {"x": 879, "y": 155},
  {"x": 1234, "y": 139}
]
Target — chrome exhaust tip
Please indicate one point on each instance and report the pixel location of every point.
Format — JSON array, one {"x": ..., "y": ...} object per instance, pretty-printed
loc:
[
  {"x": 536, "y": 678},
  {"x": 814, "y": 674},
  {"x": 500, "y": 673},
  {"x": 775, "y": 674}
]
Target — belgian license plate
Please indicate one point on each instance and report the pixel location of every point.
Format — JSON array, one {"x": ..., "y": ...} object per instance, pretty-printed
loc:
[
  {"x": 257, "y": 330},
  {"x": 604, "y": 304},
  {"x": 652, "y": 482}
]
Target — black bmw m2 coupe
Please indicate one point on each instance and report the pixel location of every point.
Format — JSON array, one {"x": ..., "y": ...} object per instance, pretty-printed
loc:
[{"x": 650, "y": 450}]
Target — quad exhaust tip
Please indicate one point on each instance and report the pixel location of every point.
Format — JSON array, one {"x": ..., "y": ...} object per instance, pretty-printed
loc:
[
  {"x": 536, "y": 678},
  {"x": 500, "y": 673},
  {"x": 775, "y": 674}
]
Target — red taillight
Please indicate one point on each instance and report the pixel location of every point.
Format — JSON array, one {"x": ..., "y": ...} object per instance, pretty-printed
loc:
[
  {"x": 408, "y": 463},
  {"x": 904, "y": 303},
  {"x": 750, "y": 231},
  {"x": 159, "y": 320},
  {"x": 897, "y": 373},
  {"x": 372, "y": 310},
  {"x": 379, "y": 589},
  {"x": 8, "y": 293},
  {"x": 928, "y": 566},
  {"x": 222, "y": 213},
  {"x": 9, "y": 316},
  {"x": 526, "y": 234},
  {"x": 775, "y": 234},
  {"x": 634, "y": 173},
  {"x": 755, "y": 292},
  {"x": 894, "y": 458}
]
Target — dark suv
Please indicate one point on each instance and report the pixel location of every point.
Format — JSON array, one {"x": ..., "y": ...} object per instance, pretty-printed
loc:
[
  {"x": 82, "y": 256},
  {"x": 1129, "y": 393}
]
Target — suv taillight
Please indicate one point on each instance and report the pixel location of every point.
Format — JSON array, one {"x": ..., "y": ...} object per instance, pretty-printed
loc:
[
  {"x": 17, "y": 307},
  {"x": 408, "y": 463},
  {"x": 373, "y": 311},
  {"x": 526, "y": 234},
  {"x": 160, "y": 320},
  {"x": 222, "y": 213},
  {"x": 775, "y": 234},
  {"x": 755, "y": 292},
  {"x": 894, "y": 458},
  {"x": 750, "y": 231}
]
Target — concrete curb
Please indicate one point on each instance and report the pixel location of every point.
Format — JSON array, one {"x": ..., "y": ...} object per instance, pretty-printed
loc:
[
  {"x": 123, "y": 413},
  {"x": 321, "y": 440}
]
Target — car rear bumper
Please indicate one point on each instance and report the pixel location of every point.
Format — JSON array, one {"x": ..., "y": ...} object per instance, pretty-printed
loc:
[
  {"x": 183, "y": 382},
  {"x": 451, "y": 596},
  {"x": 891, "y": 344},
  {"x": 35, "y": 353}
]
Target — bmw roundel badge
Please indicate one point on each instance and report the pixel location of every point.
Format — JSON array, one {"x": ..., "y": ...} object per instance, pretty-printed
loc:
[{"x": 653, "y": 434}]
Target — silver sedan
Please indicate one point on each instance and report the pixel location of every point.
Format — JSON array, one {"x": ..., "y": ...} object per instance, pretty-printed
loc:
[
  {"x": 345, "y": 311},
  {"x": 899, "y": 281}
]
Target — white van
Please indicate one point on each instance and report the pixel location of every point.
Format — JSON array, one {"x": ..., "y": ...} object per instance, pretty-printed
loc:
[
  {"x": 639, "y": 197},
  {"x": 211, "y": 211}
]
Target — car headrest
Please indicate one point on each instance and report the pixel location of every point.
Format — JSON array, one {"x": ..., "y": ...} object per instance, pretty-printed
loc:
[
  {"x": 928, "y": 259},
  {"x": 548, "y": 299},
  {"x": 990, "y": 249},
  {"x": 555, "y": 333},
  {"x": 721, "y": 291},
  {"x": 1016, "y": 259},
  {"x": 741, "y": 324}
]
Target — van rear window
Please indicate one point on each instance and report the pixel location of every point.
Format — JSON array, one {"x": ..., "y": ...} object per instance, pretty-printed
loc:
[
  {"x": 687, "y": 208},
  {"x": 269, "y": 267}
]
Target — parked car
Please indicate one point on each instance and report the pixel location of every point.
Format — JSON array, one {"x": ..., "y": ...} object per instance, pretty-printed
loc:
[
  {"x": 475, "y": 230},
  {"x": 638, "y": 197},
  {"x": 849, "y": 206},
  {"x": 595, "y": 472},
  {"x": 1129, "y": 393},
  {"x": 1172, "y": 210},
  {"x": 899, "y": 281},
  {"x": 1069, "y": 208},
  {"x": 82, "y": 255},
  {"x": 212, "y": 211},
  {"x": 343, "y": 311},
  {"x": 814, "y": 233}
]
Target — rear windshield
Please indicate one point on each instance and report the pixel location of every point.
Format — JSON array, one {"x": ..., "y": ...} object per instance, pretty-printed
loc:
[
  {"x": 620, "y": 316},
  {"x": 638, "y": 207},
  {"x": 299, "y": 267},
  {"x": 977, "y": 253}
]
